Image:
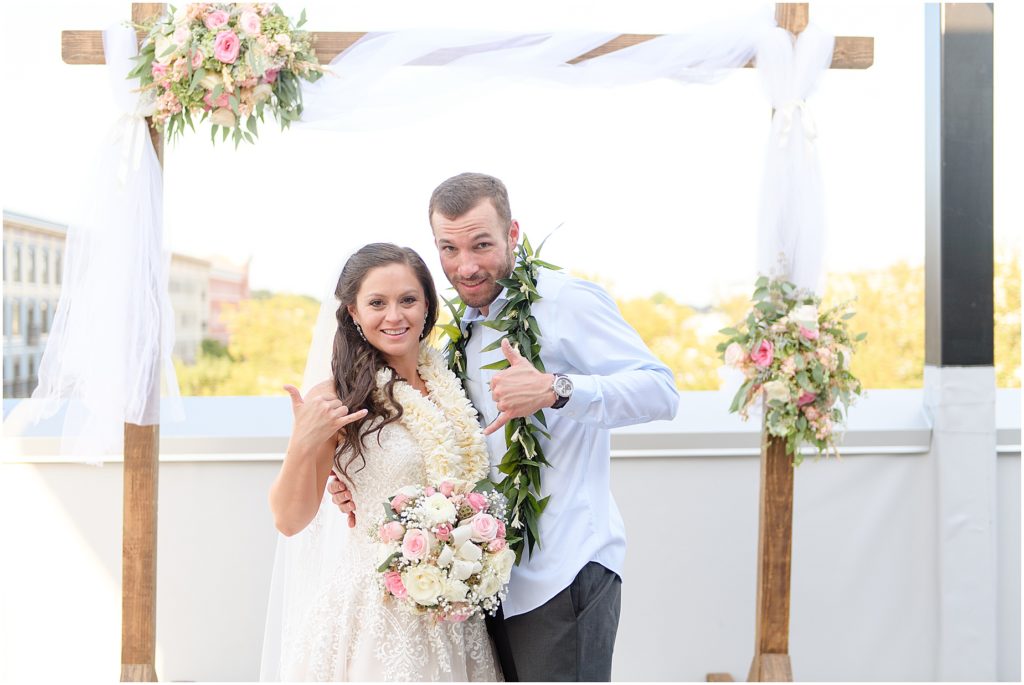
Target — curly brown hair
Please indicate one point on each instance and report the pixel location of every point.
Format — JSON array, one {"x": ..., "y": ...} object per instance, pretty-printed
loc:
[{"x": 355, "y": 362}]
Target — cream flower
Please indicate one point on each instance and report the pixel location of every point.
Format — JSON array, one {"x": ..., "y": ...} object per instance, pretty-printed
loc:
[
  {"x": 438, "y": 510},
  {"x": 424, "y": 584}
]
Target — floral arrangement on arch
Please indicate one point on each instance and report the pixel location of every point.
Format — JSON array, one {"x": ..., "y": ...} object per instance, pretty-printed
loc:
[
  {"x": 796, "y": 358},
  {"x": 228, "y": 62}
]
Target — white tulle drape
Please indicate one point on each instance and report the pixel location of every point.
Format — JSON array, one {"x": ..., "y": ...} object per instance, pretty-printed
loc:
[
  {"x": 113, "y": 330},
  {"x": 371, "y": 90}
]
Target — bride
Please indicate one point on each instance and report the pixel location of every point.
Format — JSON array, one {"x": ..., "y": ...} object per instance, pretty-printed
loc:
[{"x": 375, "y": 424}]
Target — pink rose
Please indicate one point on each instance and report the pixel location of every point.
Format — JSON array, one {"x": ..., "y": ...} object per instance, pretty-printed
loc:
[
  {"x": 428, "y": 491},
  {"x": 392, "y": 531},
  {"x": 215, "y": 19},
  {"x": 501, "y": 528},
  {"x": 415, "y": 544},
  {"x": 221, "y": 101},
  {"x": 764, "y": 354},
  {"x": 484, "y": 527},
  {"x": 805, "y": 398},
  {"x": 496, "y": 545},
  {"x": 159, "y": 71},
  {"x": 810, "y": 334},
  {"x": 270, "y": 75},
  {"x": 250, "y": 23},
  {"x": 477, "y": 501},
  {"x": 443, "y": 531},
  {"x": 447, "y": 488},
  {"x": 394, "y": 585},
  {"x": 226, "y": 47},
  {"x": 181, "y": 35},
  {"x": 398, "y": 502},
  {"x": 197, "y": 59}
]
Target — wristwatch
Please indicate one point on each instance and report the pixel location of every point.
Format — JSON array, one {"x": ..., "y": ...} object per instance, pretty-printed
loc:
[{"x": 562, "y": 387}]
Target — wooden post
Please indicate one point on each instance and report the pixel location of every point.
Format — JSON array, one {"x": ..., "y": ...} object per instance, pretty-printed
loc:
[{"x": 141, "y": 481}]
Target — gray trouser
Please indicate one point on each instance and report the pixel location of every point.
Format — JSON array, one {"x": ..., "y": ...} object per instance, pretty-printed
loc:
[{"x": 572, "y": 635}]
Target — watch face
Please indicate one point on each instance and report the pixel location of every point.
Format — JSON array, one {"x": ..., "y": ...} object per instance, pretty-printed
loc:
[{"x": 563, "y": 386}]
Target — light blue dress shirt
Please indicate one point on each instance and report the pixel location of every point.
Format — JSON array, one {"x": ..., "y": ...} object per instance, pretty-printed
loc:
[{"x": 617, "y": 382}]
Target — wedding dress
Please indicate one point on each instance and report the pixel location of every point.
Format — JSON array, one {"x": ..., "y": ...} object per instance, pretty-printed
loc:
[{"x": 337, "y": 623}]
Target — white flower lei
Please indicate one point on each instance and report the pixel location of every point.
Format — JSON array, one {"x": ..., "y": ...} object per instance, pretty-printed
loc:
[{"x": 446, "y": 430}]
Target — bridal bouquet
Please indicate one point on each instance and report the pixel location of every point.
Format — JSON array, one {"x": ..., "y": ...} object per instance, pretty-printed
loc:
[
  {"x": 796, "y": 357},
  {"x": 447, "y": 550},
  {"x": 228, "y": 62}
]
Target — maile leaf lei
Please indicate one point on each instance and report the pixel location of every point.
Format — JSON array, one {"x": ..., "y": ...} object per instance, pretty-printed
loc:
[{"x": 524, "y": 455}]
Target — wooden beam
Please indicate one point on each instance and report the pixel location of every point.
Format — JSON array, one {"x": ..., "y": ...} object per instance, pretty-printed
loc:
[
  {"x": 774, "y": 557},
  {"x": 139, "y": 526},
  {"x": 792, "y": 16},
  {"x": 86, "y": 47}
]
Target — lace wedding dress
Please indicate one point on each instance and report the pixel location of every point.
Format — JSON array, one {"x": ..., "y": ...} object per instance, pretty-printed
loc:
[{"x": 350, "y": 630}]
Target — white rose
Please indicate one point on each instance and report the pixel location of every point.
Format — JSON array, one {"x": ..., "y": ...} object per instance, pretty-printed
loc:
[
  {"x": 437, "y": 510},
  {"x": 489, "y": 585},
  {"x": 461, "y": 569},
  {"x": 806, "y": 315},
  {"x": 468, "y": 551},
  {"x": 776, "y": 390},
  {"x": 223, "y": 117},
  {"x": 163, "y": 44},
  {"x": 211, "y": 81},
  {"x": 284, "y": 40},
  {"x": 501, "y": 563},
  {"x": 460, "y": 535},
  {"x": 262, "y": 93},
  {"x": 181, "y": 15},
  {"x": 734, "y": 354},
  {"x": 424, "y": 584},
  {"x": 445, "y": 557},
  {"x": 455, "y": 590}
]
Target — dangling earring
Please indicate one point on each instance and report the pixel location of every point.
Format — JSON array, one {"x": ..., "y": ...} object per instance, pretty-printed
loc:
[
  {"x": 360, "y": 329},
  {"x": 425, "y": 331}
]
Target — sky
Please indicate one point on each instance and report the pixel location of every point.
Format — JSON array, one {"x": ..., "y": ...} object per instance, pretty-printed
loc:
[{"x": 655, "y": 186}]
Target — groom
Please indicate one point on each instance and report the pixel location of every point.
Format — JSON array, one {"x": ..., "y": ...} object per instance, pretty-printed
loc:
[{"x": 562, "y": 611}]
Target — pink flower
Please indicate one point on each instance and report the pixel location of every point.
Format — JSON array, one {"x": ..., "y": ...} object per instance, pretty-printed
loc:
[
  {"x": 197, "y": 58},
  {"x": 394, "y": 585},
  {"x": 501, "y": 528},
  {"x": 159, "y": 70},
  {"x": 428, "y": 491},
  {"x": 805, "y": 398},
  {"x": 221, "y": 101},
  {"x": 226, "y": 47},
  {"x": 810, "y": 334},
  {"x": 496, "y": 545},
  {"x": 415, "y": 544},
  {"x": 215, "y": 19},
  {"x": 443, "y": 531},
  {"x": 477, "y": 501},
  {"x": 811, "y": 413},
  {"x": 250, "y": 23},
  {"x": 398, "y": 502},
  {"x": 447, "y": 488},
  {"x": 484, "y": 526},
  {"x": 270, "y": 75},
  {"x": 392, "y": 531},
  {"x": 181, "y": 35},
  {"x": 764, "y": 354}
]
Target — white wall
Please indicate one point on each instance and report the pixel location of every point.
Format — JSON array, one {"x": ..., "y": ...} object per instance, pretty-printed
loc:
[{"x": 864, "y": 601}]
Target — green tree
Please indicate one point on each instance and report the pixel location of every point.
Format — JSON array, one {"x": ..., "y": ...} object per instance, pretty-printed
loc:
[{"x": 270, "y": 337}]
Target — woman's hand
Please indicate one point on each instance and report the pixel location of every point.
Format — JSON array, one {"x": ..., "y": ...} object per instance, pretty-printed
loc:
[{"x": 318, "y": 416}]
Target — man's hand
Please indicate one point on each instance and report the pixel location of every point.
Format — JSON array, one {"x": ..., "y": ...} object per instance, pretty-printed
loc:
[
  {"x": 520, "y": 390},
  {"x": 318, "y": 416},
  {"x": 342, "y": 496}
]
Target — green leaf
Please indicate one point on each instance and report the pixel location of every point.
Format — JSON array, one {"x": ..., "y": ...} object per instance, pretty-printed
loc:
[
  {"x": 250, "y": 123},
  {"x": 497, "y": 366},
  {"x": 760, "y": 294},
  {"x": 761, "y": 282},
  {"x": 740, "y": 397},
  {"x": 213, "y": 134},
  {"x": 860, "y": 337},
  {"x": 387, "y": 563}
]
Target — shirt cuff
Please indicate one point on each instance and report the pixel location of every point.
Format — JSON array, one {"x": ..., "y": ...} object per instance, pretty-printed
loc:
[{"x": 585, "y": 390}]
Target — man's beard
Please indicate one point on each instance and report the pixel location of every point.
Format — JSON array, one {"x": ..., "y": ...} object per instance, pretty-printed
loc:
[{"x": 487, "y": 295}]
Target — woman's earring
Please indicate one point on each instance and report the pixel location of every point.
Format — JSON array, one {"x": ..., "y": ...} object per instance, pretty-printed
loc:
[
  {"x": 360, "y": 329},
  {"x": 425, "y": 331}
]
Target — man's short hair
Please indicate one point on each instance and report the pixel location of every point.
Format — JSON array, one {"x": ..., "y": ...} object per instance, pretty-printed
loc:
[{"x": 459, "y": 194}]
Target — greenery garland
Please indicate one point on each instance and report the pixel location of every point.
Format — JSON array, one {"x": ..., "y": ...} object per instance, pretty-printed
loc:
[{"x": 524, "y": 455}]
